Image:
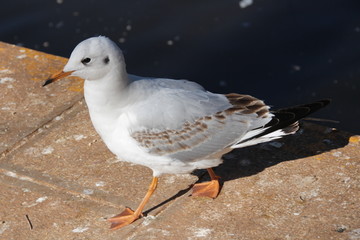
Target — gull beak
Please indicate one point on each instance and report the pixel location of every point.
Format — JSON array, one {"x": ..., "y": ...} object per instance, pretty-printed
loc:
[{"x": 56, "y": 77}]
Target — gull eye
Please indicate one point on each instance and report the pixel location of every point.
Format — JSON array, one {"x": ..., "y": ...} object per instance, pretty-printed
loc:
[
  {"x": 86, "y": 61},
  {"x": 106, "y": 60}
]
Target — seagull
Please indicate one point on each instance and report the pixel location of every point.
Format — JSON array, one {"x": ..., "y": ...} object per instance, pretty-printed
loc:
[{"x": 170, "y": 126}]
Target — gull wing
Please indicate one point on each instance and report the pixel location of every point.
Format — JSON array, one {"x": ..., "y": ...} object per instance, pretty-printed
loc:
[{"x": 209, "y": 136}]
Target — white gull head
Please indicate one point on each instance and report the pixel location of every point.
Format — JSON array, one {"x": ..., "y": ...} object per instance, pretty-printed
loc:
[{"x": 95, "y": 58}]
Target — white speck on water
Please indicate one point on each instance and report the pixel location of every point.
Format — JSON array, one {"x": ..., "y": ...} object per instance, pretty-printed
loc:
[
  {"x": 100, "y": 184},
  {"x": 128, "y": 27},
  {"x": 47, "y": 150},
  {"x": 122, "y": 40},
  {"x": 245, "y": 3},
  {"x": 21, "y": 56},
  {"x": 59, "y": 1},
  {"x": 41, "y": 199},
  {"x": 296, "y": 68},
  {"x": 201, "y": 232},
  {"x": 246, "y": 24},
  {"x": 58, "y": 25},
  {"x": 47, "y": 44},
  {"x": 80, "y": 229},
  {"x": 88, "y": 191},
  {"x": 6, "y": 80},
  {"x": 223, "y": 83},
  {"x": 79, "y": 137},
  {"x": 170, "y": 42}
]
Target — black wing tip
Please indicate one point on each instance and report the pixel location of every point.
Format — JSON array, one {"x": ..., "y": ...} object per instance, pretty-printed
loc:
[
  {"x": 315, "y": 106},
  {"x": 312, "y": 107},
  {"x": 287, "y": 117},
  {"x": 326, "y": 101}
]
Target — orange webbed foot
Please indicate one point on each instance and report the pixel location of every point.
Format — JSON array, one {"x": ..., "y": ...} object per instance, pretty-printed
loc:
[
  {"x": 206, "y": 189},
  {"x": 123, "y": 219},
  {"x": 128, "y": 216}
]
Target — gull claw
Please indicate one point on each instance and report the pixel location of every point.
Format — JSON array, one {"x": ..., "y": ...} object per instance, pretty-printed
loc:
[
  {"x": 123, "y": 219},
  {"x": 206, "y": 189}
]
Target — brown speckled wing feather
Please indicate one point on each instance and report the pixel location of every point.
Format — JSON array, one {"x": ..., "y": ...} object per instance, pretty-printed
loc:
[{"x": 208, "y": 135}]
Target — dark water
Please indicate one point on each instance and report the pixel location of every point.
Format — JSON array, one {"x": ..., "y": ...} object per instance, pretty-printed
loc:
[{"x": 285, "y": 52}]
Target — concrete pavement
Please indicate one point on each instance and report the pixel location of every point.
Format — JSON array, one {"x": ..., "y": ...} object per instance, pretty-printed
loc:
[{"x": 59, "y": 181}]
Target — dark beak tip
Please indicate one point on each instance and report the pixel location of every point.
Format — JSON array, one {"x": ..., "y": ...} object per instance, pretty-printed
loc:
[{"x": 47, "y": 82}]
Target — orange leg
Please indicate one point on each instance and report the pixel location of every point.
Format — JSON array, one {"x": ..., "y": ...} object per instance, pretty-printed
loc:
[
  {"x": 128, "y": 216},
  {"x": 207, "y": 189}
]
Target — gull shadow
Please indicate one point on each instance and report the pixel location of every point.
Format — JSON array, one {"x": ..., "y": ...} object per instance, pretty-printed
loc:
[
  {"x": 179, "y": 194},
  {"x": 310, "y": 140}
]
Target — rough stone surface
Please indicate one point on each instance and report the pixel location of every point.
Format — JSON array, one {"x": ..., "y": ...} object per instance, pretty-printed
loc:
[
  {"x": 24, "y": 105},
  {"x": 59, "y": 181}
]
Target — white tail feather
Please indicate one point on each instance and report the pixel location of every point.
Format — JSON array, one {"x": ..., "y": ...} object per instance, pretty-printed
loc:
[{"x": 244, "y": 142}]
